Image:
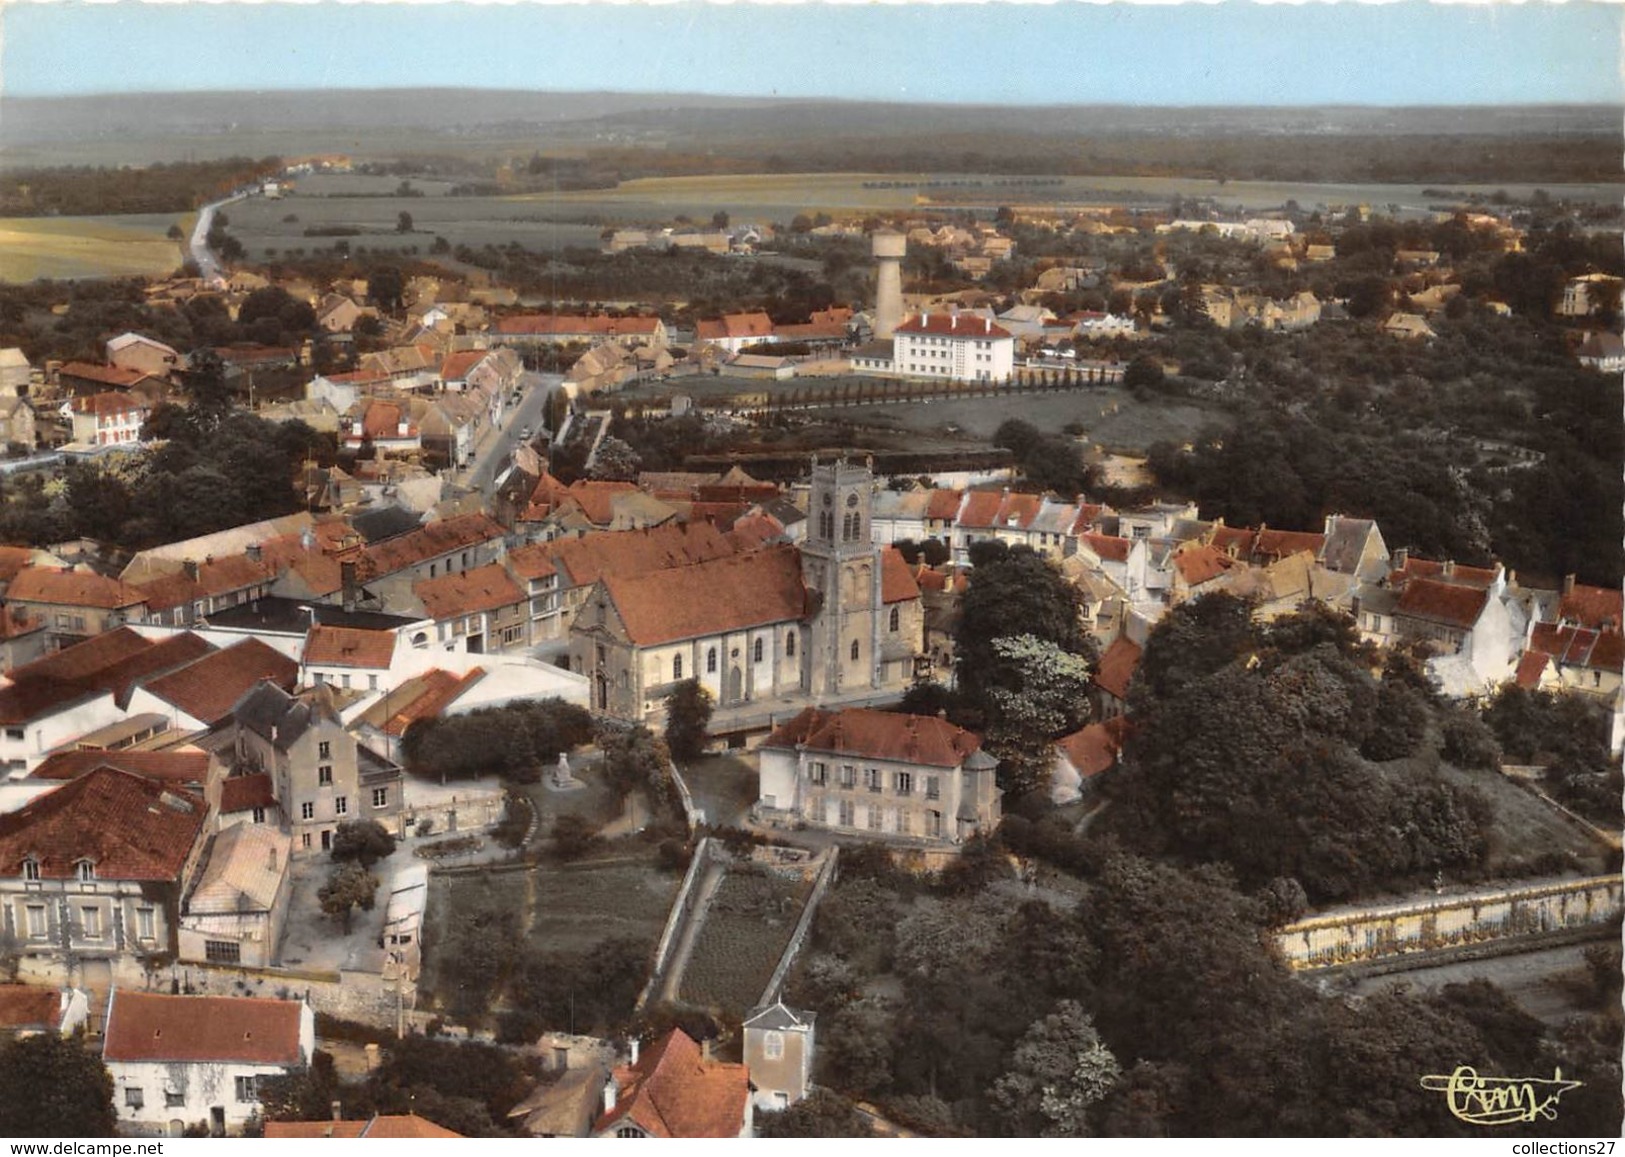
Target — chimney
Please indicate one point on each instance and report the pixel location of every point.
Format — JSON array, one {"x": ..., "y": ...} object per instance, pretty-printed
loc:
[
  {"x": 270, "y": 860},
  {"x": 705, "y": 1051},
  {"x": 191, "y": 569},
  {"x": 347, "y": 577},
  {"x": 1568, "y": 584},
  {"x": 338, "y": 1110},
  {"x": 609, "y": 1095},
  {"x": 632, "y": 1046},
  {"x": 1449, "y": 568},
  {"x": 253, "y": 551},
  {"x": 1401, "y": 557},
  {"x": 561, "y": 1058}
]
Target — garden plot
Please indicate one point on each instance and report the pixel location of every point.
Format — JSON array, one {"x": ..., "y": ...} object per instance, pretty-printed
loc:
[{"x": 746, "y": 929}]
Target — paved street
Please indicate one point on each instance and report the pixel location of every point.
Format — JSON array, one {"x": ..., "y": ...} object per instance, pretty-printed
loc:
[{"x": 496, "y": 448}]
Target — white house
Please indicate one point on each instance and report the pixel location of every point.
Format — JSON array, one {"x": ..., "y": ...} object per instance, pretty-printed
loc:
[
  {"x": 181, "y": 1060},
  {"x": 953, "y": 346}
]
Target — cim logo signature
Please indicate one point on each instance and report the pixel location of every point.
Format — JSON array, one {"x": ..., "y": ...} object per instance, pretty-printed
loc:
[{"x": 1499, "y": 1100}]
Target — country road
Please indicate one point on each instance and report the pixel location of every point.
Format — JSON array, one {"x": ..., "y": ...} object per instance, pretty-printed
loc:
[{"x": 209, "y": 268}]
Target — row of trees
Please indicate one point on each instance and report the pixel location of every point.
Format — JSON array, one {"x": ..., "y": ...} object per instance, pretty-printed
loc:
[{"x": 514, "y": 741}]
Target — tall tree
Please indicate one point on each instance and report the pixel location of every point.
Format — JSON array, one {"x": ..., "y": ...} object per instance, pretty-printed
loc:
[
  {"x": 1058, "y": 1072},
  {"x": 364, "y": 841},
  {"x": 54, "y": 1088},
  {"x": 688, "y": 714},
  {"x": 348, "y": 887}
]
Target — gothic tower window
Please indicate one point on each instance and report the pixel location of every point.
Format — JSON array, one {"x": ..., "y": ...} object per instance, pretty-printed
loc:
[
  {"x": 676, "y": 667},
  {"x": 854, "y": 650},
  {"x": 790, "y": 645},
  {"x": 711, "y": 661}
]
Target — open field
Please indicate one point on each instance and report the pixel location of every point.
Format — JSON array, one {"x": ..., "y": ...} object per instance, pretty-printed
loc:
[
  {"x": 263, "y": 225},
  {"x": 71, "y": 247}
]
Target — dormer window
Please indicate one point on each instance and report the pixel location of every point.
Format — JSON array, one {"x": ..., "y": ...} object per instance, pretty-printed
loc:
[
  {"x": 84, "y": 871},
  {"x": 31, "y": 870}
]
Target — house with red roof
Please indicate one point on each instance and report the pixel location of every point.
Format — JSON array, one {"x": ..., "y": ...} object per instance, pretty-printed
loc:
[
  {"x": 179, "y": 1061},
  {"x": 675, "y": 1089},
  {"x": 74, "y": 604},
  {"x": 1112, "y": 677},
  {"x": 903, "y": 779},
  {"x": 734, "y": 331},
  {"x": 92, "y": 874},
  {"x": 111, "y": 418},
  {"x": 392, "y": 1127},
  {"x": 480, "y": 611},
  {"x": 1085, "y": 755},
  {"x": 29, "y": 1010}
]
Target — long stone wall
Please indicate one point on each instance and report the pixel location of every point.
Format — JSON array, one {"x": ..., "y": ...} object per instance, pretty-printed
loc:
[
  {"x": 826, "y": 874},
  {"x": 1501, "y": 915},
  {"x": 676, "y": 918}
]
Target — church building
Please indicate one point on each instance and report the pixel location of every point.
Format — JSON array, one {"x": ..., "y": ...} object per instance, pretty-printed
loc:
[{"x": 836, "y": 619}]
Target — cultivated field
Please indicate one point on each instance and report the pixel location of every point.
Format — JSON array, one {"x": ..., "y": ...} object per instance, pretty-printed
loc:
[
  {"x": 578, "y": 908},
  {"x": 265, "y": 230},
  {"x": 745, "y": 932},
  {"x": 72, "y": 247}
]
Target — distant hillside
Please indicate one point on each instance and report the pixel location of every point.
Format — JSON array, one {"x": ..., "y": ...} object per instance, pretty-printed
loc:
[{"x": 651, "y": 134}]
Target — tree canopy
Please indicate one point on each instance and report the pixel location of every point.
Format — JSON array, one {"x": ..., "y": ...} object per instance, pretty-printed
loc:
[{"x": 54, "y": 1087}]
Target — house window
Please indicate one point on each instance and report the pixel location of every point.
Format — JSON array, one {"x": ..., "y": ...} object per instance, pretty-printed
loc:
[
  {"x": 676, "y": 667},
  {"x": 307, "y": 811},
  {"x": 849, "y": 775},
  {"x": 854, "y": 650},
  {"x": 134, "y": 1098},
  {"x": 820, "y": 812},
  {"x": 372, "y": 682},
  {"x": 773, "y": 1045},
  {"x": 933, "y": 787},
  {"x": 933, "y": 824},
  {"x": 847, "y": 812},
  {"x": 871, "y": 778},
  {"x": 896, "y": 619},
  {"x": 145, "y": 925},
  {"x": 711, "y": 661},
  {"x": 258, "y": 815},
  {"x": 817, "y": 773},
  {"x": 31, "y": 870},
  {"x": 905, "y": 782},
  {"x": 380, "y": 797},
  {"x": 904, "y": 826},
  {"x": 91, "y": 918},
  {"x": 223, "y": 951},
  {"x": 756, "y": 652},
  {"x": 304, "y": 840},
  {"x": 38, "y": 929},
  {"x": 15, "y": 733},
  {"x": 341, "y": 805},
  {"x": 324, "y": 775},
  {"x": 344, "y": 681},
  {"x": 246, "y": 1090},
  {"x": 874, "y": 818},
  {"x": 628, "y": 1131},
  {"x": 790, "y": 645},
  {"x": 84, "y": 870}
]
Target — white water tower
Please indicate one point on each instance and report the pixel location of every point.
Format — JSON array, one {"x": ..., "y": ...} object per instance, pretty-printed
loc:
[{"x": 888, "y": 248}]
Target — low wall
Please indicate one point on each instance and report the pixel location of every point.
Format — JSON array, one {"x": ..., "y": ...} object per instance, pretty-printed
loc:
[
  {"x": 675, "y": 919},
  {"x": 826, "y": 875}
]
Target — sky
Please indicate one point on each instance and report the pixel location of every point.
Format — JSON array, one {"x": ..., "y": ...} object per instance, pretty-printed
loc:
[{"x": 1063, "y": 52}]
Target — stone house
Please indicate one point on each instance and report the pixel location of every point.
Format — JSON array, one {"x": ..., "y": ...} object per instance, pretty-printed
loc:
[
  {"x": 907, "y": 779},
  {"x": 779, "y": 1054}
]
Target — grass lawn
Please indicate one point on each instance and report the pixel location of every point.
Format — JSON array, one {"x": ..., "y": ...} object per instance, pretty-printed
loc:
[
  {"x": 73, "y": 247},
  {"x": 1525, "y": 827},
  {"x": 745, "y": 932}
]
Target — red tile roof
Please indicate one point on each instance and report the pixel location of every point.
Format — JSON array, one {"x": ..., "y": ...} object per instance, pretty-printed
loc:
[
  {"x": 1094, "y": 748},
  {"x": 14, "y": 558},
  {"x": 897, "y": 583},
  {"x": 734, "y": 325},
  {"x": 1019, "y": 510},
  {"x": 49, "y": 683},
  {"x": 1579, "y": 646},
  {"x": 427, "y": 542},
  {"x": 129, "y": 827},
  {"x": 147, "y": 1026},
  {"x": 631, "y": 552},
  {"x": 981, "y": 510},
  {"x": 673, "y": 1091},
  {"x": 208, "y": 689},
  {"x": 920, "y": 739},
  {"x": 597, "y": 499},
  {"x": 1107, "y": 547},
  {"x": 406, "y": 1126},
  {"x": 944, "y": 505},
  {"x": 241, "y": 793},
  {"x": 595, "y": 325},
  {"x": 1239, "y": 538},
  {"x": 182, "y": 767},
  {"x": 424, "y": 698},
  {"x": 1088, "y": 514},
  {"x": 1200, "y": 564},
  {"x": 1280, "y": 543},
  {"x": 348, "y": 647},
  {"x": 1442, "y": 602},
  {"x": 27, "y": 1006},
  {"x": 1449, "y": 572},
  {"x": 1593, "y": 606},
  {"x": 1531, "y": 667},
  {"x": 105, "y": 375},
  {"x": 468, "y": 592},
  {"x": 952, "y": 325},
  {"x": 71, "y": 588},
  {"x": 708, "y": 598},
  {"x": 457, "y": 366},
  {"x": 1117, "y": 667},
  {"x": 383, "y": 420}
]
